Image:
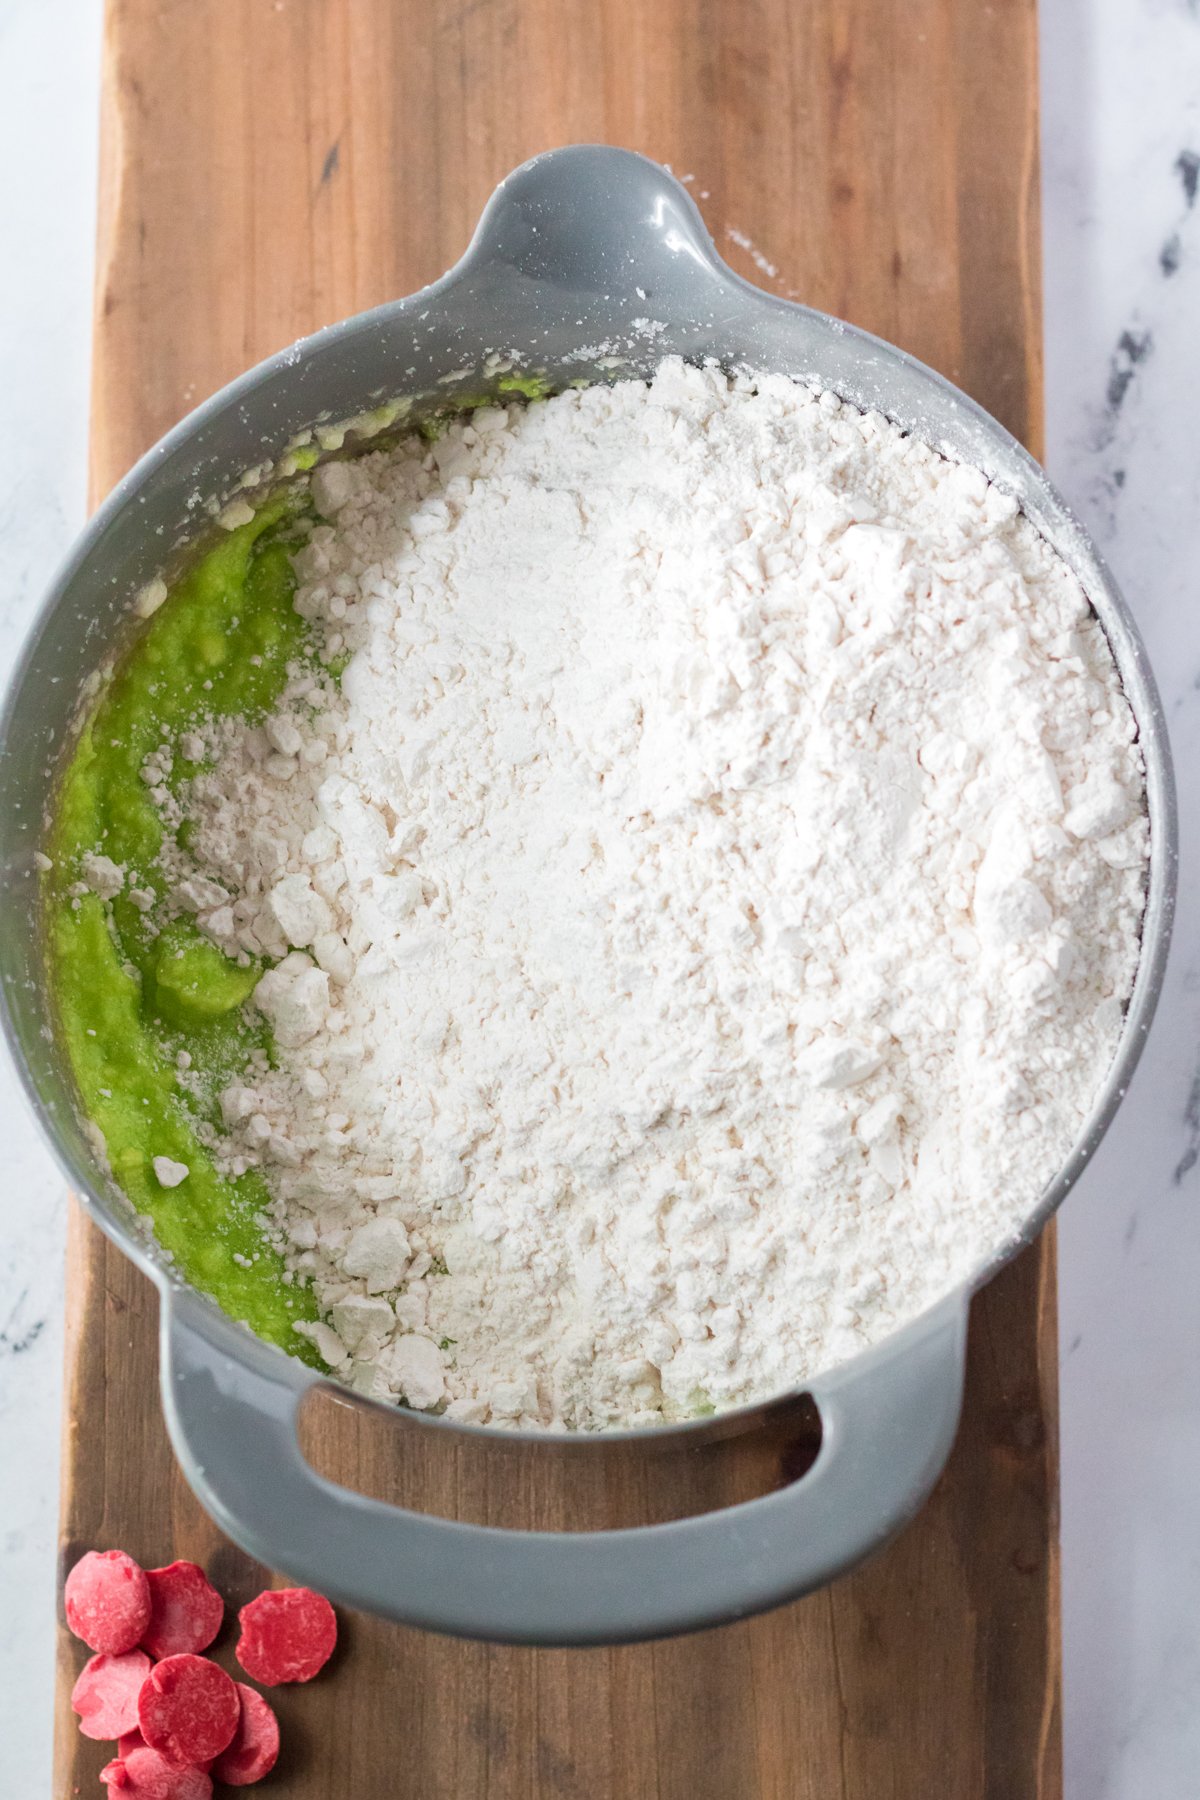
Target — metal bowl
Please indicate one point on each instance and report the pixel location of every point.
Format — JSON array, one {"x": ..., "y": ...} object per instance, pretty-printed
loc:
[{"x": 577, "y": 248}]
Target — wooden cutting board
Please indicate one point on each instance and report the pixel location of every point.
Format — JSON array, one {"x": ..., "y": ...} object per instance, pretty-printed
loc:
[{"x": 269, "y": 166}]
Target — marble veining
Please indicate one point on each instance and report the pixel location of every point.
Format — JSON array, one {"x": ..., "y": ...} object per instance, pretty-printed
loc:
[
  {"x": 1121, "y": 152},
  {"x": 1121, "y": 205}
]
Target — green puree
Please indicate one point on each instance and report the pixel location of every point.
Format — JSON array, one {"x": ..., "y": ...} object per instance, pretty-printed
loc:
[{"x": 133, "y": 991}]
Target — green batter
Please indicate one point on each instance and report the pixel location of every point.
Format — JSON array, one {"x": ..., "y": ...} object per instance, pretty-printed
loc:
[{"x": 135, "y": 990}]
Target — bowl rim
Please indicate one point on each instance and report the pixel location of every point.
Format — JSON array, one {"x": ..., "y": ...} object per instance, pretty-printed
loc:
[{"x": 481, "y": 260}]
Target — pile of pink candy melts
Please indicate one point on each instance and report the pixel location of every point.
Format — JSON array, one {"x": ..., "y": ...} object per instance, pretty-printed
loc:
[{"x": 179, "y": 1721}]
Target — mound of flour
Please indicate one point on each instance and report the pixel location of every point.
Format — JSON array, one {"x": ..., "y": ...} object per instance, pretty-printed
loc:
[{"x": 703, "y": 912}]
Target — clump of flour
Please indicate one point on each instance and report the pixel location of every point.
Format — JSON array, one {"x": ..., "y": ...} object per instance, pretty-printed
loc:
[{"x": 700, "y": 917}]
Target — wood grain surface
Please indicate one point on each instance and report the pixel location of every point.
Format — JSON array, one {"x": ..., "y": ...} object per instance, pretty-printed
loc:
[{"x": 269, "y": 166}]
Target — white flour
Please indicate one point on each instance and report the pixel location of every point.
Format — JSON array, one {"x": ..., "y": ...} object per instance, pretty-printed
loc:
[{"x": 711, "y": 897}]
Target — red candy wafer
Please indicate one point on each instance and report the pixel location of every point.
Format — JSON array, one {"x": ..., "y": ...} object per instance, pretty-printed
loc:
[
  {"x": 106, "y": 1693},
  {"x": 185, "y": 1610},
  {"x": 145, "y": 1774},
  {"x": 107, "y": 1601},
  {"x": 255, "y": 1744},
  {"x": 288, "y": 1634},
  {"x": 133, "y": 1740},
  {"x": 188, "y": 1708}
]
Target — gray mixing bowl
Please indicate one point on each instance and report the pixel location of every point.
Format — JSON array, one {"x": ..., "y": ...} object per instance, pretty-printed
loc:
[{"x": 573, "y": 253}]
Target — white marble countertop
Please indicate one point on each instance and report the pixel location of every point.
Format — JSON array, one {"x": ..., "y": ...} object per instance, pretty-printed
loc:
[
  {"x": 1121, "y": 147},
  {"x": 49, "y": 98}
]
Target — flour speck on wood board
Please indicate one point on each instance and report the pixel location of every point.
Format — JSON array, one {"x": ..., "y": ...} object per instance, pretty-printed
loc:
[{"x": 700, "y": 916}]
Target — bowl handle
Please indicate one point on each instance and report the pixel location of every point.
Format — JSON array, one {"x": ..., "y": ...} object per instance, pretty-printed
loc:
[
  {"x": 596, "y": 220},
  {"x": 888, "y": 1421}
]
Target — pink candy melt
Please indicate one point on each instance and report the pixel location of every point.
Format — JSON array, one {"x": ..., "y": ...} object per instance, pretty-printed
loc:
[
  {"x": 255, "y": 1744},
  {"x": 106, "y": 1693},
  {"x": 287, "y": 1635},
  {"x": 107, "y": 1601},
  {"x": 176, "y": 1719},
  {"x": 133, "y": 1740},
  {"x": 144, "y": 1774},
  {"x": 185, "y": 1610},
  {"x": 188, "y": 1708}
]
